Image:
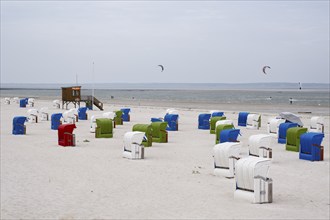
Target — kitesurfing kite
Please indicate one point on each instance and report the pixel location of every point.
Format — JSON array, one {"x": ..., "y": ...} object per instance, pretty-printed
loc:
[
  {"x": 161, "y": 66},
  {"x": 264, "y": 69}
]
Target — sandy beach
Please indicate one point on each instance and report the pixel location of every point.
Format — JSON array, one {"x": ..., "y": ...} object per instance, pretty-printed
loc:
[{"x": 42, "y": 180}]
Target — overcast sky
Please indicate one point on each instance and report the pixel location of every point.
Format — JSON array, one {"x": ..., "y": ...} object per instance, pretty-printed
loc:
[{"x": 196, "y": 41}]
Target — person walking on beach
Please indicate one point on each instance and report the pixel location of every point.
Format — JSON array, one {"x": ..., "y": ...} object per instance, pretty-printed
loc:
[{"x": 290, "y": 101}]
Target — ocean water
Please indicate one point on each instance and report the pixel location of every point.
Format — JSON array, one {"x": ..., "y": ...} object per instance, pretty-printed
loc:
[{"x": 310, "y": 95}]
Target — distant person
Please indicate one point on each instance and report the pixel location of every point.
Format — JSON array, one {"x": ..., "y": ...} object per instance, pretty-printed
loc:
[{"x": 290, "y": 100}]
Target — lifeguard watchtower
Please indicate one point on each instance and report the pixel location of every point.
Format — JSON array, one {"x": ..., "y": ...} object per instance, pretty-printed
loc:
[{"x": 73, "y": 95}]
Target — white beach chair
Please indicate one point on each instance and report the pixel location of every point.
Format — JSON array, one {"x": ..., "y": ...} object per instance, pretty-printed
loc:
[
  {"x": 273, "y": 125},
  {"x": 93, "y": 122},
  {"x": 44, "y": 114},
  {"x": 317, "y": 124},
  {"x": 7, "y": 101},
  {"x": 252, "y": 183},
  {"x": 69, "y": 117},
  {"x": 32, "y": 115},
  {"x": 225, "y": 156},
  {"x": 31, "y": 102},
  {"x": 16, "y": 100},
  {"x": 133, "y": 147},
  {"x": 56, "y": 103},
  {"x": 253, "y": 121},
  {"x": 259, "y": 145}
]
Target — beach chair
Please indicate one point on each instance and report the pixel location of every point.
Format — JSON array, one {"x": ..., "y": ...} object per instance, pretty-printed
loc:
[
  {"x": 225, "y": 156},
  {"x": 213, "y": 121},
  {"x": 126, "y": 114},
  {"x": 56, "y": 120},
  {"x": 30, "y": 102},
  {"x": 32, "y": 115},
  {"x": 44, "y": 115},
  {"x": 70, "y": 116},
  {"x": 104, "y": 128},
  {"x": 293, "y": 138},
  {"x": 310, "y": 146},
  {"x": 82, "y": 113},
  {"x": 159, "y": 133},
  {"x": 242, "y": 118},
  {"x": 65, "y": 135},
  {"x": 204, "y": 121},
  {"x": 147, "y": 129},
  {"x": 16, "y": 100},
  {"x": 172, "y": 122},
  {"x": 7, "y": 101},
  {"x": 253, "y": 121},
  {"x": 216, "y": 113},
  {"x": 259, "y": 145},
  {"x": 252, "y": 183},
  {"x": 282, "y": 131},
  {"x": 229, "y": 135},
  {"x": 273, "y": 125},
  {"x": 93, "y": 122},
  {"x": 220, "y": 128},
  {"x": 118, "y": 118},
  {"x": 56, "y": 103},
  {"x": 18, "y": 125},
  {"x": 133, "y": 147},
  {"x": 317, "y": 124},
  {"x": 22, "y": 103}
]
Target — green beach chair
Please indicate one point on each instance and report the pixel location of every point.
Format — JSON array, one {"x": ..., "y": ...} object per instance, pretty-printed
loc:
[
  {"x": 159, "y": 133},
  {"x": 214, "y": 120},
  {"x": 293, "y": 138},
  {"x": 104, "y": 128},
  {"x": 118, "y": 118},
  {"x": 147, "y": 129},
  {"x": 220, "y": 128}
]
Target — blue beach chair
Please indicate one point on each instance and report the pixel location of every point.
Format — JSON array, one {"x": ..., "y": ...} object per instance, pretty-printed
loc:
[
  {"x": 126, "y": 116},
  {"x": 217, "y": 114},
  {"x": 56, "y": 120},
  {"x": 310, "y": 146},
  {"x": 242, "y": 118},
  {"x": 282, "y": 131},
  {"x": 204, "y": 121},
  {"x": 82, "y": 115},
  {"x": 229, "y": 135},
  {"x": 18, "y": 125},
  {"x": 172, "y": 122}
]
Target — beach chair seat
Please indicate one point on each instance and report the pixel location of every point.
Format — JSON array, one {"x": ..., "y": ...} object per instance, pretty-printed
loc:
[
  {"x": 259, "y": 145},
  {"x": 293, "y": 138},
  {"x": 213, "y": 121},
  {"x": 273, "y": 125},
  {"x": 82, "y": 113},
  {"x": 204, "y": 121},
  {"x": 310, "y": 146},
  {"x": 147, "y": 129},
  {"x": 253, "y": 121},
  {"x": 118, "y": 118},
  {"x": 229, "y": 135},
  {"x": 56, "y": 120},
  {"x": 242, "y": 118},
  {"x": 225, "y": 156},
  {"x": 56, "y": 103},
  {"x": 32, "y": 115},
  {"x": 18, "y": 125},
  {"x": 7, "y": 101},
  {"x": 104, "y": 128},
  {"x": 66, "y": 136},
  {"x": 30, "y": 102},
  {"x": 220, "y": 128},
  {"x": 44, "y": 114},
  {"x": 133, "y": 147},
  {"x": 317, "y": 124},
  {"x": 172, "y": 122},
  {"x": 252, "y": 183},
  {"x": 283, "y": 129},
  {"x": 126, "y": 114},
  {"x": 159, "y": 133}
]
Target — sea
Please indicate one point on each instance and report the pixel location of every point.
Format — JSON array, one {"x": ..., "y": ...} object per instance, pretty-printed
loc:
[{"x": 309, "y": 94}]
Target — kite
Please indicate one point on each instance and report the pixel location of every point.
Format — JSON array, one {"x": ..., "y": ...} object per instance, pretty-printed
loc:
[
  {"x": 161, "y": 66},
  {"x": 264, "y": 69}
]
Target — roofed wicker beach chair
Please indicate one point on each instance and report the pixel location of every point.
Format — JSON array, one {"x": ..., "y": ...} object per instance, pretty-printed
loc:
[
  {"x": 310, "y": 146},
  {"x": 273, "y": 125},
  {"x": 252, "y": 182},
  {"x": 104, "y": 128},
  {"x": 93, "y": 122},
  {"x": 7, "y": 100},
  {"x": 65, "y": 135},
  {"x": 56, "y": 120},
  {"x": 44, "y": 114},
  {"x": 159, "y": 133},
  {"x": 126, "y": 114},
  {"x": 242, "y": 118},
  {"x": 317, "y": 124},
  {"x": 229, "y": 135},
  {"x": 204, "y": 121},
  {"x": 172, "y": 122},
  {"x": 293, "y": 138},
  {"x": 213, "y": 121},
  {"x": 32, "y": 115},
  {"x": 18, "y": 125},
  {"x": 82, "y": 113},
  {"x": 253, "y": 121},
  {"x": 220, "y": 128},
  {"x": 133, "y": 147},
  {"x": 259, "y": 145},
  {"x": 118, "y": 118},
  {"x": 283, "y": 129},
  {"x": 147, "y": 129},
  {"x": 56, "y": 103}
]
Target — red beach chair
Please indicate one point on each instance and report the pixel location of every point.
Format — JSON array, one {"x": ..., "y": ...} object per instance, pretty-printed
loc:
[{"x": 65, "y": 136}]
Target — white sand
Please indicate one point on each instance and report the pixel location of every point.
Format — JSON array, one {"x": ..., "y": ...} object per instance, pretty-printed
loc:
[{"x": 41, "y": 180}]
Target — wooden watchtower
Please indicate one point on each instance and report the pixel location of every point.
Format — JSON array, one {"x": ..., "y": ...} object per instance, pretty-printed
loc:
[{"x": 71, "y": 94}]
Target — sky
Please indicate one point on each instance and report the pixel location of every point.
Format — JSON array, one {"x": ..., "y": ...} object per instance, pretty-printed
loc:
[{"x": 195, "y": 41}]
